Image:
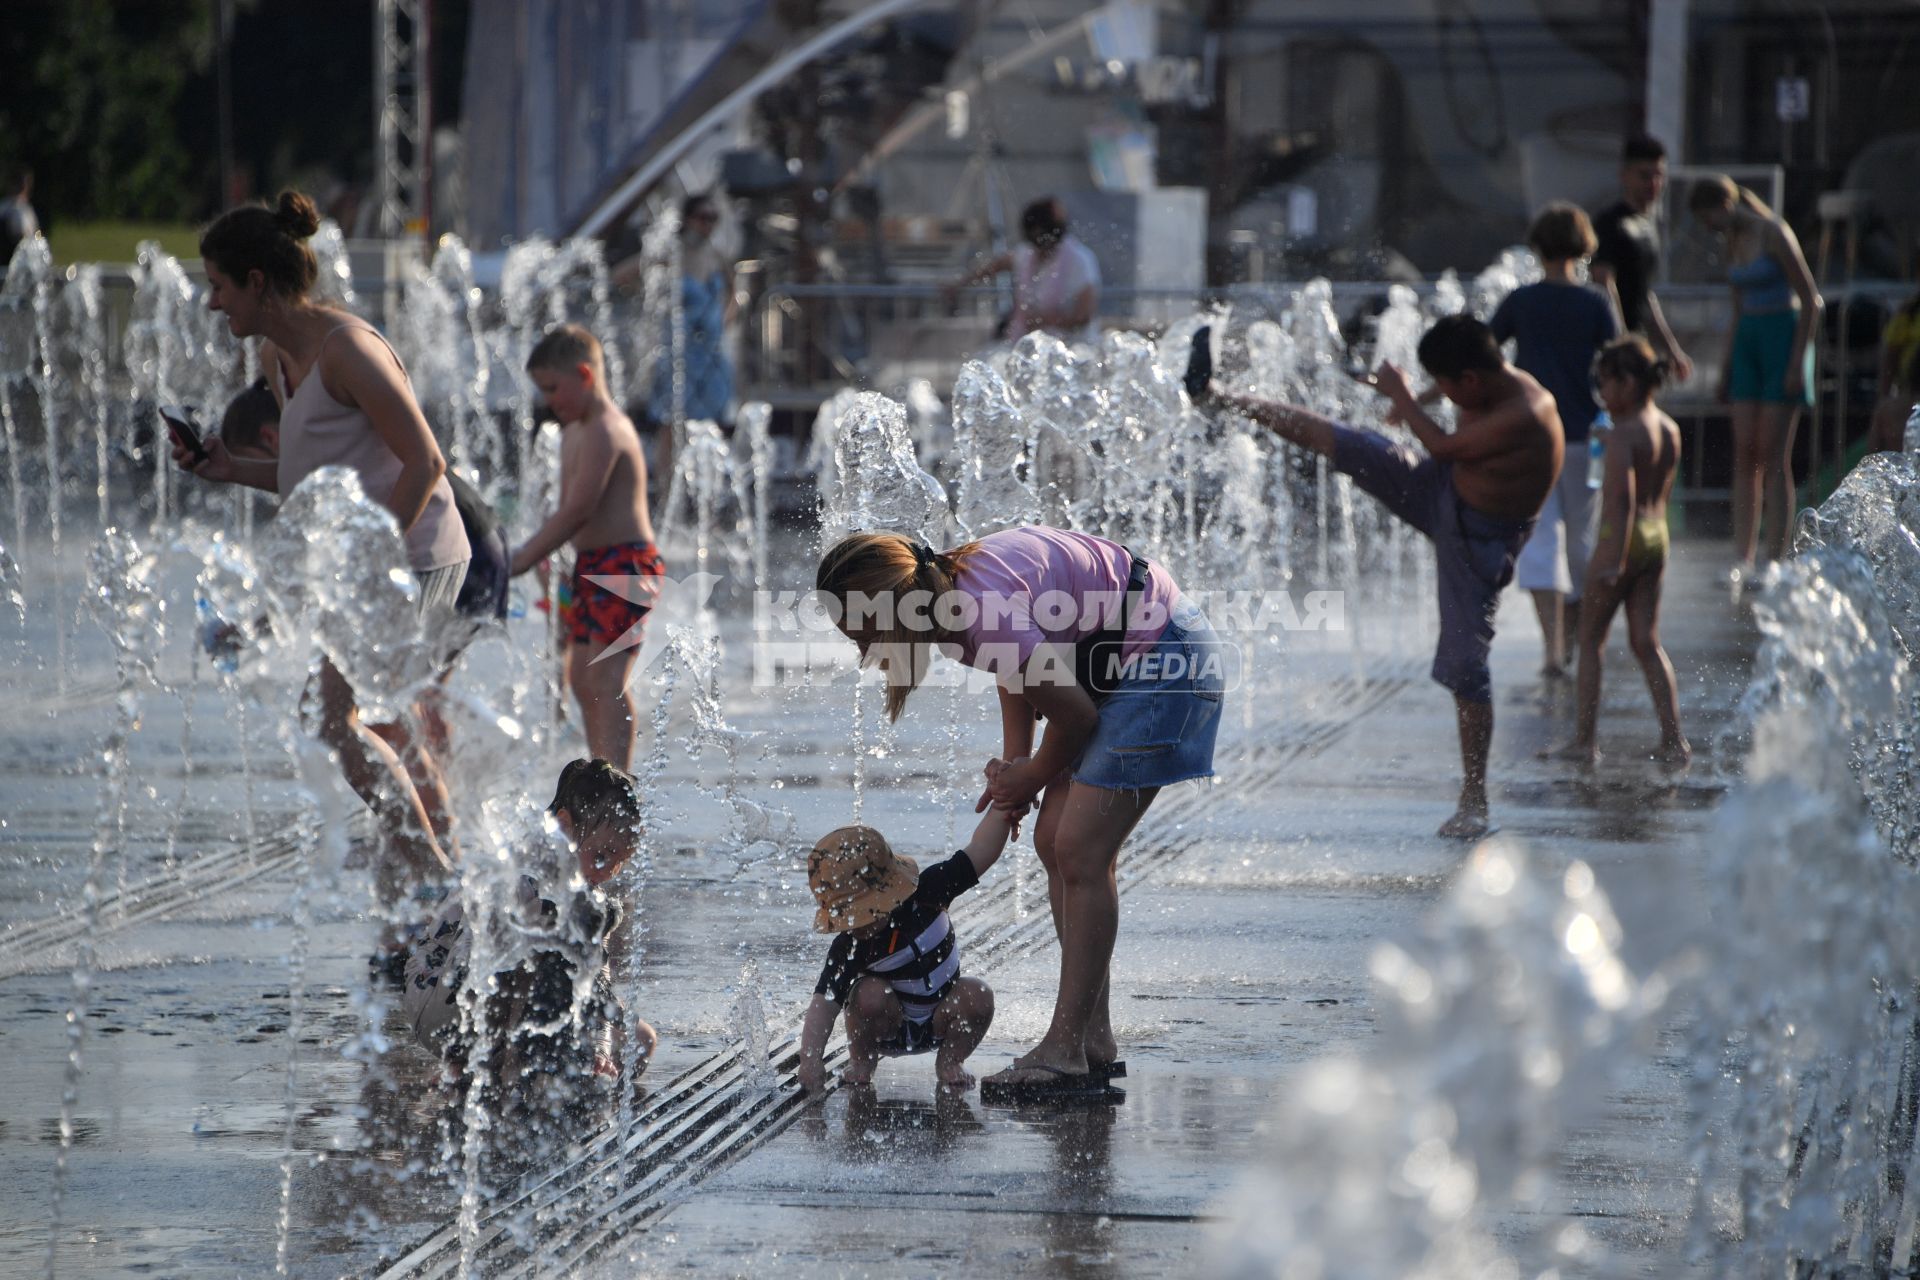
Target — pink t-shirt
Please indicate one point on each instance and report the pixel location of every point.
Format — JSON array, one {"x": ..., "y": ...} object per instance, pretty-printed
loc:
[{"x": 1036, "y": 585}]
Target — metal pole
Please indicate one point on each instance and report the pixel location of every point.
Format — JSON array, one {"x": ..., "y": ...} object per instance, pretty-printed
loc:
[
  {"x": 223, "y": 95},
  {"x": 423, "y": 90}
]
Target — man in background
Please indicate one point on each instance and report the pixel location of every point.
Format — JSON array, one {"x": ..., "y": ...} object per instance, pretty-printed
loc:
[{"x": 1629, "y": 256}]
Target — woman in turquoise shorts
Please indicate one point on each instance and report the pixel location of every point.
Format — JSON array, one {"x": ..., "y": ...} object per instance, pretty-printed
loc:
[{"x": 1767, "y": 377}]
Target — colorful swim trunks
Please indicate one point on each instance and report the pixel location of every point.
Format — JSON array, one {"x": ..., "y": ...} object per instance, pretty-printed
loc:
[{"x": 602, "y": 612}]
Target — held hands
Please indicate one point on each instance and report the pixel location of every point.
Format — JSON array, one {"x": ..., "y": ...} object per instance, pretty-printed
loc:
[
  {"x": 1013, "y": 785},
  {"x": 997, "y": 771},
  {"x": 218, "y": 465}
]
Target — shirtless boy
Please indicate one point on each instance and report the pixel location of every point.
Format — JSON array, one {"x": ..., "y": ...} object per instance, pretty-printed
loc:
[
  {"x": 1476, "y": 495},
  {"x": 603, "y": 513}
]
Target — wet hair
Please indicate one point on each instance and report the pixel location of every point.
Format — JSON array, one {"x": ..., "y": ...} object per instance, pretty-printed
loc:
[
  {"x": 247, "y": 414},
  {"x": 1458, "y": 345},
  {"x": 1641, "y": 147},
  {"x": 1044, "y": 222},
  {"x": 1631, "y": 357},
  {"x": 1718, "y": 191},
  {"x": 596, "y": 793},
  {"x": 1562, "y": 231},
  {"x": 885, "y": 567},
  {"x": 271, "y": 241},
  {"x": 565, "y": 348}
]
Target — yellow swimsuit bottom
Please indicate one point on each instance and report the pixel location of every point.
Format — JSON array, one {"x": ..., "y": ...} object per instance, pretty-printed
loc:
[{"x": 1646, "y": 543}]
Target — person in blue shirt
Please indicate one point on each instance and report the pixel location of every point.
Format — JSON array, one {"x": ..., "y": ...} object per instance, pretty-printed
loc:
[{"x": 1558, "y": 326}]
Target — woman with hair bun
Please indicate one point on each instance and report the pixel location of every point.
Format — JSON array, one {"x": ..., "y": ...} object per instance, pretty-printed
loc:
[
  {"x": 1630, "y": 550},
  {"x": 1767, "y": 377},
  {"x": 344, "y": 401}
]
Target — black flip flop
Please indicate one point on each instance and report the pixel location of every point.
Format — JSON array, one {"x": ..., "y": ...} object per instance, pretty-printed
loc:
[
  {"x": 1199, "y": 376},
  {"x": 1062, "y": 1086},
  {"x": 1114, "y": 1070}
]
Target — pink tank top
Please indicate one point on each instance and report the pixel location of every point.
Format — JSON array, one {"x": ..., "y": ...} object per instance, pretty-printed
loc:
[{"x": 318, "y": 431}]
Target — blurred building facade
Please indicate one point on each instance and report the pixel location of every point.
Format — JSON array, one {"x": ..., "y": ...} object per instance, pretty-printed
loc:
[{"x": 1357, "y": 138}]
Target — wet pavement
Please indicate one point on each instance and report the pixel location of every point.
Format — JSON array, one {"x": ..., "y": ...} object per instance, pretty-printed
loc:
[{"x": 1249, "y": 914}]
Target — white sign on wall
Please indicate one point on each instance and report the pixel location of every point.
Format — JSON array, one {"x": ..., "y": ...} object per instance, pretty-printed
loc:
[{"x": 1793, "y": 98}]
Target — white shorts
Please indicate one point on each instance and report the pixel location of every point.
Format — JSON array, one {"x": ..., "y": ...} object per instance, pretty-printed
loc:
[{"x": 1555, "y": 557}]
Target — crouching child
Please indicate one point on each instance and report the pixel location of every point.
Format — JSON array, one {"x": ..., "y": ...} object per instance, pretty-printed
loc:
[
  {"x": 548, "y": 1020},
  {"x": 894, "y": 969}
]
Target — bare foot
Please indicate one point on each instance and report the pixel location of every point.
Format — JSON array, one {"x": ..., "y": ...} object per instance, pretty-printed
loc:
[
  {"x": 1466, "y": 824},
  {"x": 1675, "y": 755},
  {"x": 857, "y": 1072},
  {"x": 1584, "y": 754},
  {"x": 954, "y": 1077}
]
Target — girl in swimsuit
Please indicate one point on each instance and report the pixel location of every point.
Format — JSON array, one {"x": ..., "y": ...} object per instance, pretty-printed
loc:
[
  {"x": 1767, "y": 378},
  {"x": 1630, "y": 550}
]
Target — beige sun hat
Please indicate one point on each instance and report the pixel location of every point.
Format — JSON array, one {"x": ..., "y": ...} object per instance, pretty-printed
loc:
[{"x": 857, "y": 879}]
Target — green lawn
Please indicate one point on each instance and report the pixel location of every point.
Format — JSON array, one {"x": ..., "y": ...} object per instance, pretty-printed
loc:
[{"x": 116, "y": 241}]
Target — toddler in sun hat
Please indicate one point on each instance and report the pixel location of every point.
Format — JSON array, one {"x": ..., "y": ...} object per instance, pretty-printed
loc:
[{"x": 895, "y": 966}]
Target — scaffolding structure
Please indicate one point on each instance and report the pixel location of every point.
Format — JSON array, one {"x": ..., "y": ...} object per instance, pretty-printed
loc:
[{"x": 402, "y": 108}]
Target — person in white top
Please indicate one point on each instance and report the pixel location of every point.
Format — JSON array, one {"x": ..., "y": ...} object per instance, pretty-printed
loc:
[
  {"x": 347, "y": 402},
  {"x": 1056, "y": 279}
]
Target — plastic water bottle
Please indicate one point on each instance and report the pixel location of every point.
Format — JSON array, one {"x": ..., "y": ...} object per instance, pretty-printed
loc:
[
  {"x": 1910, "y": 442},
  {"x": 1597, "y": 449}
]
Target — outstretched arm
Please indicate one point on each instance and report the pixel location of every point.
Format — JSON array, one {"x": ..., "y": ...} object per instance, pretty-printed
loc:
[
  {"x": 814, "y": 1030},
  {"x": 586, "y": 460},
  {"x": 1801, "y": 278},
  {"x": 1616, "y": 513},
  {"x": 989, "y": 839}
]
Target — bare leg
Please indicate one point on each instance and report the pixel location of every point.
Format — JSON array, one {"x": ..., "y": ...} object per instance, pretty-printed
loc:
[
  {"x": 1775, "y": 450},
  {"x": 1643, "y": 631},
  {"x": 377, "y": 777},
  {"x": 873, "y": 1013},
  {"x": 1746, "y": 482},
  {"x": 1092, "y": 826},
  {"x": 606, "y": 705},
  {"x": 961, "y": 1022},
  {"x": 1469, "y": 821},
  {"x": 1101, "y": 1045},
  {"x": 1547, "y": 606},
  {"x": 423, "y": 771},
  {"x": 1597, "y": 616}
]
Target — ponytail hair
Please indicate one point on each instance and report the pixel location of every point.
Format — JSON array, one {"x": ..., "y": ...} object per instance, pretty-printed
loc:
[
  {"x": 272, "y": 241},
  {"x": 1631, "y": 357},
  {"x": 869, "y": 576},
  {"x": 1718, "y": 191}
]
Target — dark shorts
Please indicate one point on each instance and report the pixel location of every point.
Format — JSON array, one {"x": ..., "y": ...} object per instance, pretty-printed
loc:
[
  {"x": 1473, "y": 553},
  {"x": 595, "y": 614},
  {"x": 909, "y": 1039},
  {"x": 484, "y": 593}
]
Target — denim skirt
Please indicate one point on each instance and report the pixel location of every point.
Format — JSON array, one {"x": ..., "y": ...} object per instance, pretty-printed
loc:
[{"x": 1159, "y": 725}]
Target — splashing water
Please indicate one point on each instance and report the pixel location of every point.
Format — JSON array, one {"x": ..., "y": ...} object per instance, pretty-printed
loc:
[
  {"x": 993, "y": 450},
  {"x": 121, "y": 597},
  {"x": 1499, "y": 1025},
  {"x": 750, "y": 1031},
  {"x": 878, "y": 483}
]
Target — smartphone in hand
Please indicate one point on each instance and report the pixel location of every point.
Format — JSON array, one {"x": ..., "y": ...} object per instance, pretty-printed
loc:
[{"x": 182, "y": 424}]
